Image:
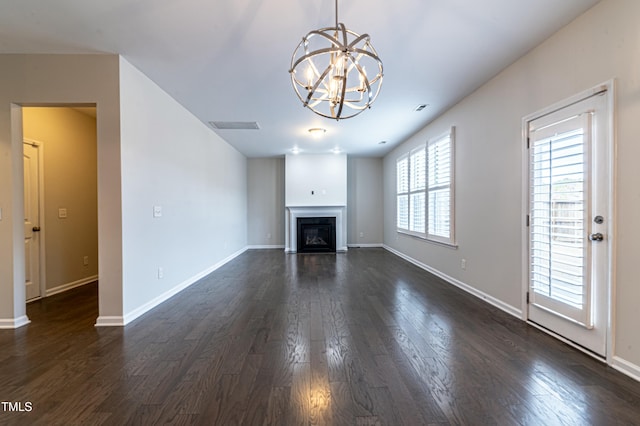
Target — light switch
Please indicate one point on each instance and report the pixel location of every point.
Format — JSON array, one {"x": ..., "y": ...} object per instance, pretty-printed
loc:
[
  {"x": 62, "y": 213},
  {"x": 157, "y": 211}
]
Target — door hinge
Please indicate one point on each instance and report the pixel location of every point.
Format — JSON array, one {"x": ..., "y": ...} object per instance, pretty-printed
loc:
[
  {"x": 527, "y": 220},
  {"x": 527, "y": 298},
  {"x": 528, "y": 142}
]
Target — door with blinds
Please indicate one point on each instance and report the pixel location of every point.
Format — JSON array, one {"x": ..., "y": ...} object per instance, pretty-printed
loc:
[{"x": 569, "y": 220}]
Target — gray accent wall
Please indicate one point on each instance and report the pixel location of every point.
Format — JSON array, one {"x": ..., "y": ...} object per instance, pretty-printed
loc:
[
  {"x": 265, "y": 204},
  {"x": 365, "y": 210}
]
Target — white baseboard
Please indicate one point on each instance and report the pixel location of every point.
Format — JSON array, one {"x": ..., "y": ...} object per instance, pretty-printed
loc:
[
  {"x": 377, "y": 245},
  {"x": 625, "y": 367},
  {"x": 130, "y": 316},
  {"x": 11, "y": 323},
  {"x": 265, "y": 247},
  {"x": 466, "y": 287},
  {"x": 65, "y": 287},
  {"x": 105, "y": 321}
]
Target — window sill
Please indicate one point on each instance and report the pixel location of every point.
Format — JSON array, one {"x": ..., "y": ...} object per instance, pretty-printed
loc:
[{"x": 424, "y": 237}]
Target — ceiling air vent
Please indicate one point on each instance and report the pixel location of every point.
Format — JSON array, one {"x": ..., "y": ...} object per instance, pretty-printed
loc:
[{"x": 234, "y": 125}]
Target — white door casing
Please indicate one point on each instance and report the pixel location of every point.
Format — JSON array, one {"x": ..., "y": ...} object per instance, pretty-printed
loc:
[{"x": 569, "y": 199}]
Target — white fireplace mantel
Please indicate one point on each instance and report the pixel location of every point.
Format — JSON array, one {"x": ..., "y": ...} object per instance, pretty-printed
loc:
[{"x": 292, "y": 213}]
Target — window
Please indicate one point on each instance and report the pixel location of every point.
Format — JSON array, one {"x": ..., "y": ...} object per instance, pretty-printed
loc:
[
  {"x": 411, "y": 173},
  {"x": 425, "y": 190}
]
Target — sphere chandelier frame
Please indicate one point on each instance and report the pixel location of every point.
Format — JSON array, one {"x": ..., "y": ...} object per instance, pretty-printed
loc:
[{"x": 329, "y": 71}]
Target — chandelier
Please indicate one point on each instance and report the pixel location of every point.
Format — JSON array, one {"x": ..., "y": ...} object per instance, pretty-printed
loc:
[{"x": 335, "y": 72}]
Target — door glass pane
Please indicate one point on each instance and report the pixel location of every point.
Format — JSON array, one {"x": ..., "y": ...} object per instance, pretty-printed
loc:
[{"x": 558, "y": 210}]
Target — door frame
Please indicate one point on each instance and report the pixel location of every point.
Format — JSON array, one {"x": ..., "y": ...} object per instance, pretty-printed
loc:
[
  {"x": 610, "y": 87},
  {"x": 41, "y": 249}
]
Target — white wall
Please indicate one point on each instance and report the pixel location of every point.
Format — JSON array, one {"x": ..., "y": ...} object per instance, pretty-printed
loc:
[
  {"x": 364, "y": 202},
  {"x": 265, "y": 204},
  {"x": 55, "y": 80},
  {"x": 603, "y": 43},
  {"x": 316, "y": 180},
  {"x": 172, "y": 160}
]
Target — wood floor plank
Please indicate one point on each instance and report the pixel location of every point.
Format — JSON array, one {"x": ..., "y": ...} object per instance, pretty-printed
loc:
[{"x": 362, "y": 337}]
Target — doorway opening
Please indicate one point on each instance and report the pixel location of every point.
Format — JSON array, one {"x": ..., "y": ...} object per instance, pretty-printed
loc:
[{"x": 61, "y": 198}]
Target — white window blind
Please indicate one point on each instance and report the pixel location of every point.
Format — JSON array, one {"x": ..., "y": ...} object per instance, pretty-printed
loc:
[
  {"x": 411, "y": 186},
  {"x": 558, "y": 253},
  {"x": 417, "y": 190},
  {"x": 440, "y": 188},
  {"x": 402, "y": 179}
]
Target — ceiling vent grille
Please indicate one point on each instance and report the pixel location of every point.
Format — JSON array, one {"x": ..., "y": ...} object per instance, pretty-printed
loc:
[{"x": 234, "y": 125}]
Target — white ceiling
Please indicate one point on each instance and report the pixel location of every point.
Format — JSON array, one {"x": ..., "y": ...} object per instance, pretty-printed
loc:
[{"x": 229, "y": 60}]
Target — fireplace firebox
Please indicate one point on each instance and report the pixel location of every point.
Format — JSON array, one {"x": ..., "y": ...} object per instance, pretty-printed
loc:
[{"x": 316, "y": 235}]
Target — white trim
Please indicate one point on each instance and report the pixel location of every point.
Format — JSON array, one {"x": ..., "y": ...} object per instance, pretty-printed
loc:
[
  {"x": 104, "y": 321},
  {"x": 612, "y": 229},
  {"x": 266, "y": 247},
  {"x": 66, "y": 287},
  {"x": 376, "y": 245},
  {"x": 292, "y": 213},
  {"x": 625, "y": 367},
  {"x": 512, "y": 310},
  {"x": 130, "y": 316},
  {"x": 14, "y": 323}
]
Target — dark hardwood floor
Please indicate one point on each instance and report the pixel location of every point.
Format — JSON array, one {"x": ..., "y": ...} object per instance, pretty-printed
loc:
[{"x": 362, "y": 338}]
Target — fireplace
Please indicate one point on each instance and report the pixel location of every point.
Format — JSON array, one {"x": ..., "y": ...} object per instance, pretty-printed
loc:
[
  {"x": 316, "y": 234},
  {"x": 337, "y": 213}
]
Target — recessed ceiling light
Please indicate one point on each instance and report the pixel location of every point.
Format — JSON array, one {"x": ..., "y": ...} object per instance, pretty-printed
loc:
[
  {"x": 421, "y": 107},
  {"x": 317, "y": 131},
  {"x": 295, "y": 150},
  {"x": 382, "y": 142},
  {"x": 336, "y": 150}
]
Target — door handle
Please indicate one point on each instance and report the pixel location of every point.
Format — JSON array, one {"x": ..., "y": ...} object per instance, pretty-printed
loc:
[
  {"x": 36, "y": 229},
  {"x": 596, "y": 237}
]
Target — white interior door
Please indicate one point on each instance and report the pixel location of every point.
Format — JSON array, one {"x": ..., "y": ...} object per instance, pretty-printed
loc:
[
  {"x": 32, "y": 220},
  {"x": 569, "y": 180}
]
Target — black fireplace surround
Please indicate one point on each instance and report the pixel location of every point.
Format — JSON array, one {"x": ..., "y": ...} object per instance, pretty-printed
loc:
[{"x": 316, "y": 235}]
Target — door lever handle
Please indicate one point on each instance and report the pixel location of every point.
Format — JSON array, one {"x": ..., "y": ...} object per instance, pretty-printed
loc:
[
  {"x": 596, "y": 237},
  {"x": 36, "y": 229}
]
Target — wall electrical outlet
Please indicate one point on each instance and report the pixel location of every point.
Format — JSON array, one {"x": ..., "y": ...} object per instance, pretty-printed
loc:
[
  {"x": 62, "y": 213},
  {"x": 269, "y": 236},
  {"x": 463, "y": 264},
  {"x": 361, "y": 234},
  {"x": 85, "y": 260},
  {"x": 160, "y": 273},
  {"x": 157, "y": 211}
]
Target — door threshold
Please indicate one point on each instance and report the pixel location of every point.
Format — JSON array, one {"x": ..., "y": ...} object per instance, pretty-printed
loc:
[{"x": 571, "y": 343}]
